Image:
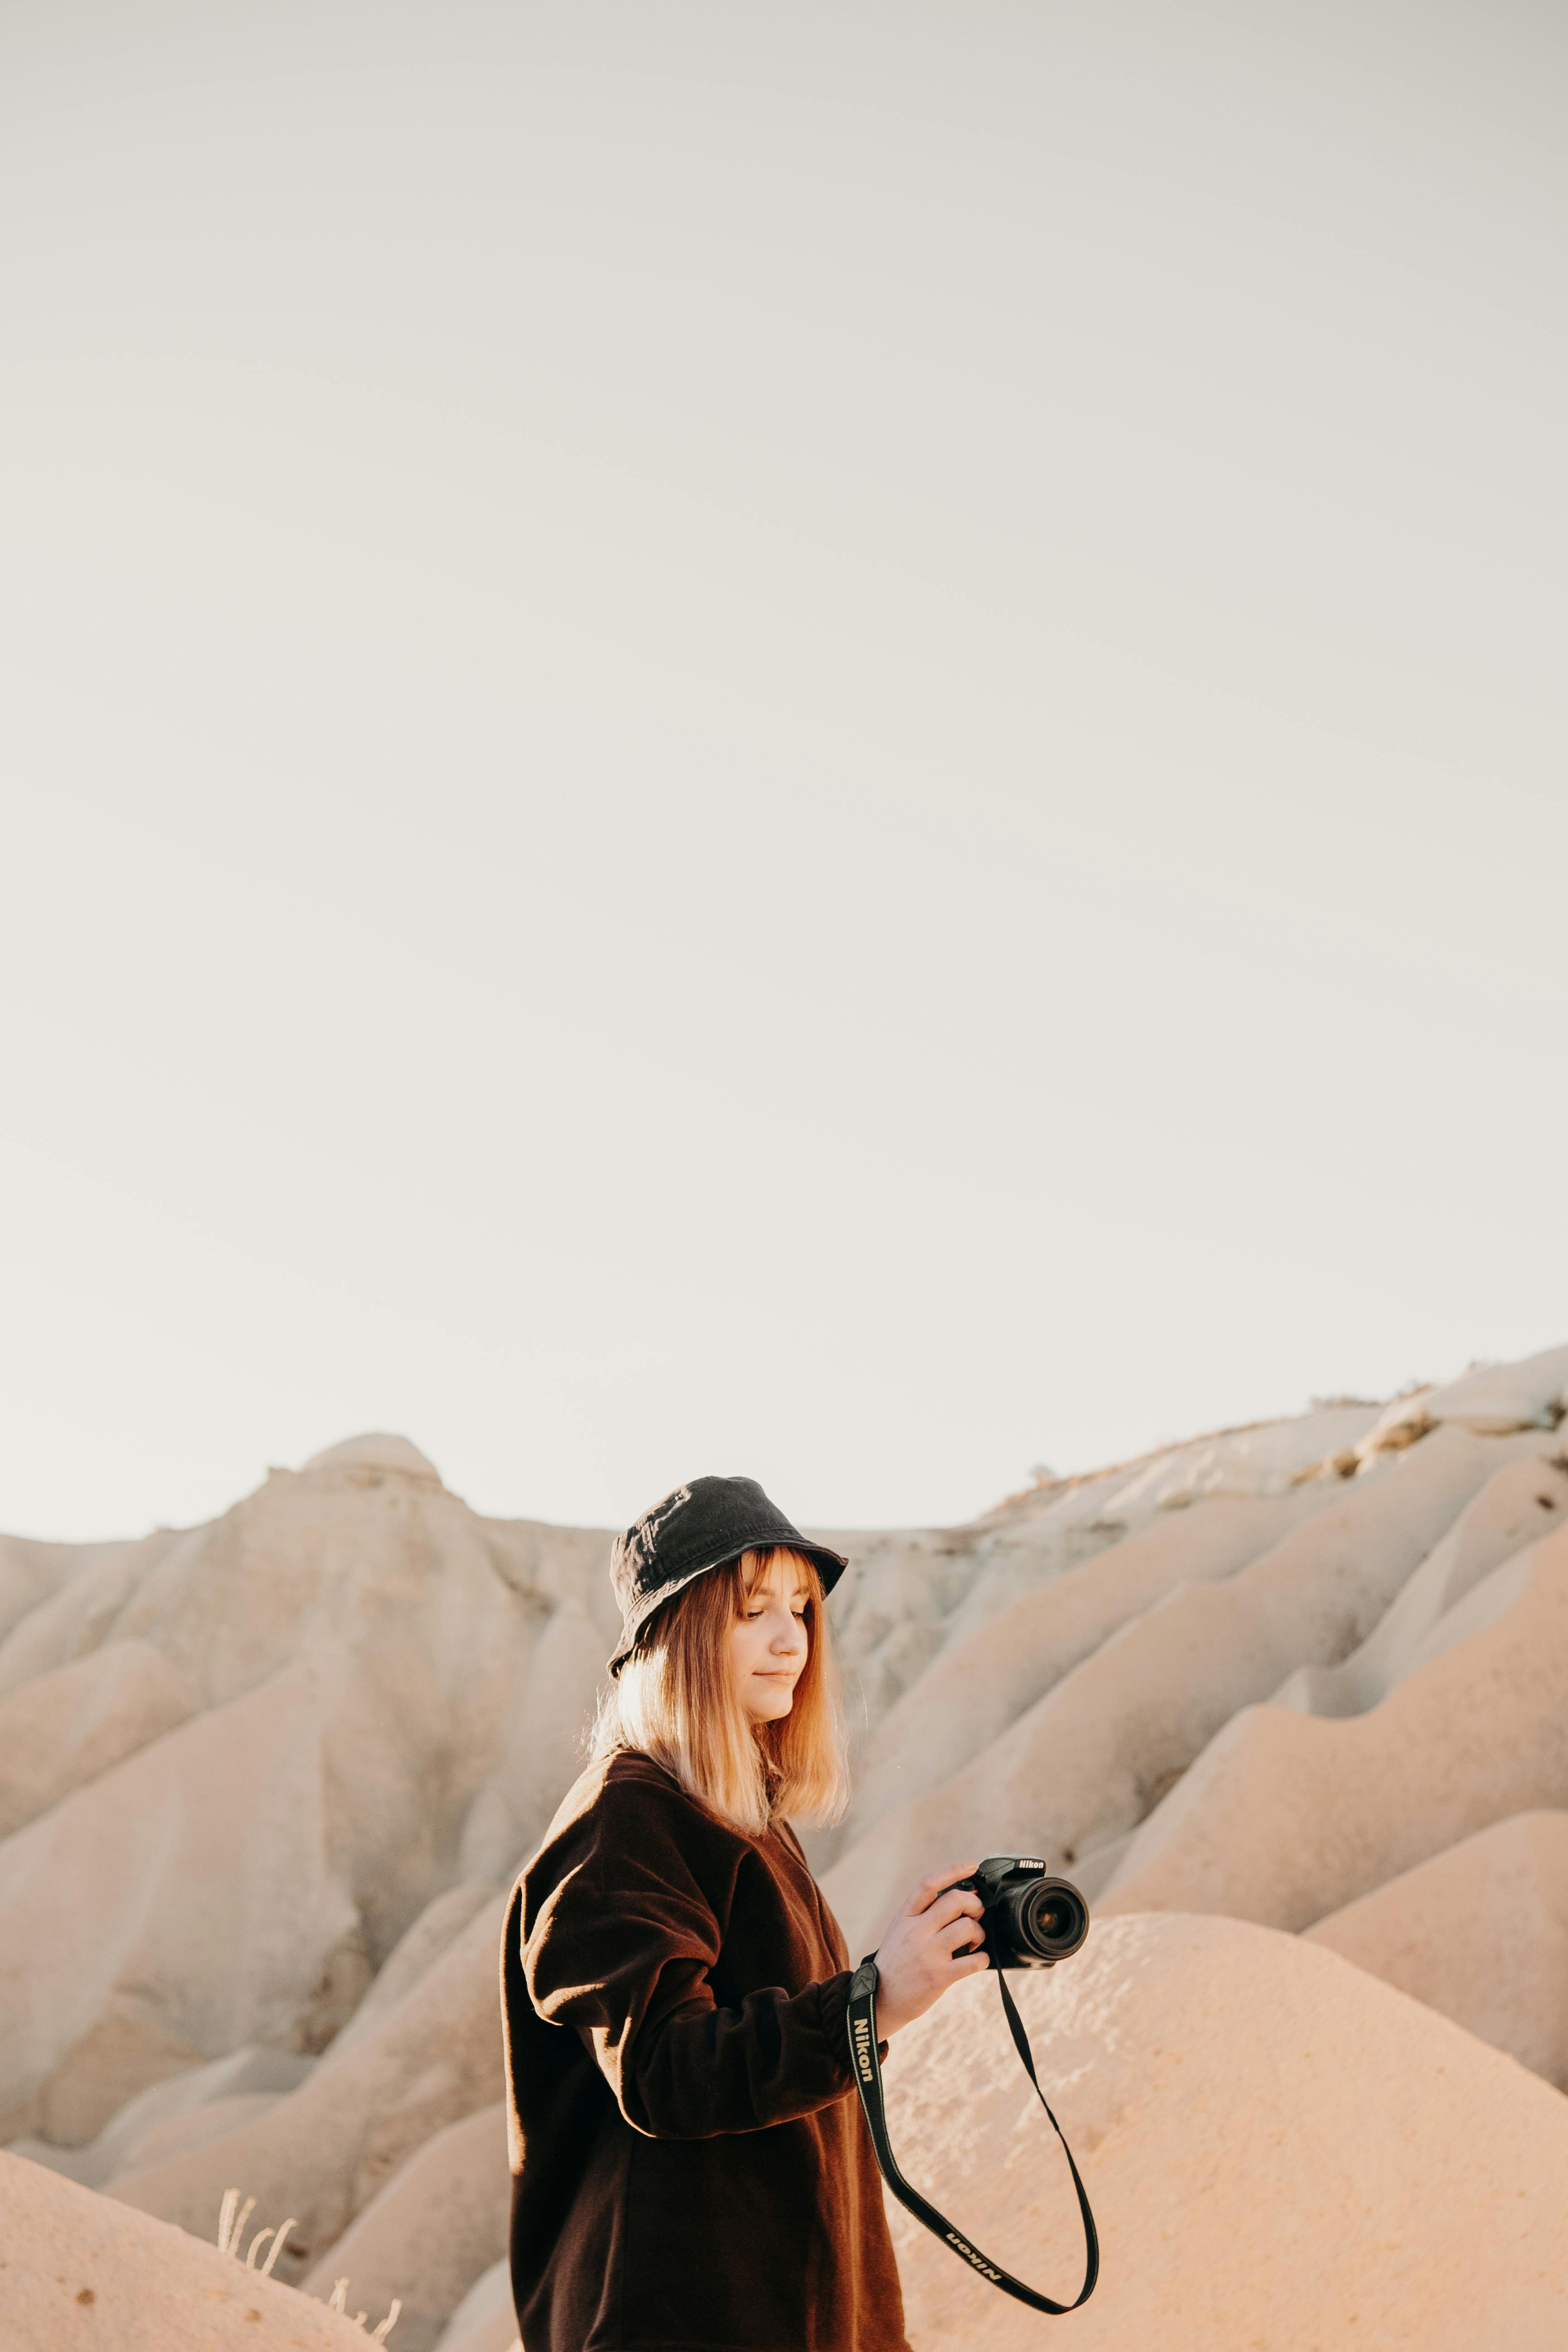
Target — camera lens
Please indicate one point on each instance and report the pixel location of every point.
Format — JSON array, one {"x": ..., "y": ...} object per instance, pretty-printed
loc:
[{"x": 1050, "y": 1919}]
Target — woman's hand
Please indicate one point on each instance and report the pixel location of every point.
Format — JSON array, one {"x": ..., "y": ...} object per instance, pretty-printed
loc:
[{"x": 927, "y": 1948}]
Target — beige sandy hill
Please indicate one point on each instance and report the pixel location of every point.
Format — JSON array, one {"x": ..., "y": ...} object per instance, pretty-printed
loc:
[
  {"x": 323, "y": 2154},
  {"x": 906, "y": 1599},
  {"x": 1090, "y": 1759},
  {"x": 1280, "y": 2151},
  {"x": 369, "y": 1459},
  {"x": 1520, "y": 1503},
  {"x": 1480, "y": 1932},
  {"x": 144, "y": 2127},
  {"x": 440, "y": 2222},
  {"x": 910, "y": 1596},
  {"x": 896, "y": 1603},
  {"x": 1289, "y": 1817},
  {"x": 980, "y": 1684},
  {"x": 81, "y": 2274},
  {"x": 392, "y": 2154},
  {"x": 363, "y": 1533},
  {"x": 389, "y": 1697},
  {"x": 32, "y": 1573},
  {"x": 86, "y": 1607},
  {"x": 179, "y": 1907},
  {"x": 437, "y": 1927},
  {"x": 485, "y": 2321},
  {"x": 62, "y": 1730},
  {"x": 1491, "y": 1399}
]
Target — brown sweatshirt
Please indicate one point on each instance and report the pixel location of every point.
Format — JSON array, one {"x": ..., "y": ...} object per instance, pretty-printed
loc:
[{"x": 691, "y": 2171}]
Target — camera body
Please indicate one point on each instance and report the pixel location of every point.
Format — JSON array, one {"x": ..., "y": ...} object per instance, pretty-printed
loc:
[{"x": 1030, "y": 1919}]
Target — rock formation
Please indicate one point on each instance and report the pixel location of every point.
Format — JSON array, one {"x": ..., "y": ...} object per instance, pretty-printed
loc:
[
  {"x": 275, "y": 1740},
  {"x": 263, "y": 1785}
]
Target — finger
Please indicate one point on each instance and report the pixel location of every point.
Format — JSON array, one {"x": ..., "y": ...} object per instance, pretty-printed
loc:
[
  {"x": 971, "y": 1964},
  {"x": 938, "y": 1882},
  {"x": 955, "y": 1903},
  {"x": 960, "y": 1935}
]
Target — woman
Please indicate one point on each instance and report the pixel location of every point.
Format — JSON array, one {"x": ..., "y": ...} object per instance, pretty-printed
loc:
[{"x": 691, "y": 2170}]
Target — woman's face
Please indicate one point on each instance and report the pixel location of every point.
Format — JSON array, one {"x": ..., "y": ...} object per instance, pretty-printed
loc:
[{"x": 769, "y": 1643}]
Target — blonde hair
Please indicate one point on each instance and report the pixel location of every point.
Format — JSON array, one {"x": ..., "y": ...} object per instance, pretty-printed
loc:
[{"x": 675, "y": 1700}]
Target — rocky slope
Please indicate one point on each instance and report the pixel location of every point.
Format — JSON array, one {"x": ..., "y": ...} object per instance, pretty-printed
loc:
[
  {"x": 263, "y": 1784},
  {"x": 79, "y": 2272}
]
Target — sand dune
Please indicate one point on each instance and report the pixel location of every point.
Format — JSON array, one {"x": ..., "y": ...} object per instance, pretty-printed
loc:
[
  {"x": 1479, "y": 1932},
  {"x": 79, "y": 2272},
  {"x": 1279, "y": 2150}
]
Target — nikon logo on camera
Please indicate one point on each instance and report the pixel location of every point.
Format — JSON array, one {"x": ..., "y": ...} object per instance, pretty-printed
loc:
[
  {"x": 967, "y": 2250},
  {"x": 863, "y": 2048}
]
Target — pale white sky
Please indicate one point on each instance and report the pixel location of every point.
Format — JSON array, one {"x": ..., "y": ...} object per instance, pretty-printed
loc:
[{"x": 816, "y": 740}]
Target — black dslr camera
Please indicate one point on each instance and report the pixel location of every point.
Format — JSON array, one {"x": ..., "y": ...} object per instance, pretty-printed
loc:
[{"x": 1030, "y": 1920}]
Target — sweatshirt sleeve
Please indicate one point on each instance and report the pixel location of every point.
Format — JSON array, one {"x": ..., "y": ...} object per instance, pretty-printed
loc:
[{"x": 621, "y": 1949}]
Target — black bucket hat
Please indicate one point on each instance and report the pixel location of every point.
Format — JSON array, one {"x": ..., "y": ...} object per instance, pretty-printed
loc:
[{"x": 700, "y": 1526}]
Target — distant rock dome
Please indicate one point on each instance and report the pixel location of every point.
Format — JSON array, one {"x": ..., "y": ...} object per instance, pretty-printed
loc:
[{"x": 376, "y": 1451}]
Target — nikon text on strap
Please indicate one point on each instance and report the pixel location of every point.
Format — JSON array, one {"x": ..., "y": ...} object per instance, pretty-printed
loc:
[{"x": 868, "y": 2068}]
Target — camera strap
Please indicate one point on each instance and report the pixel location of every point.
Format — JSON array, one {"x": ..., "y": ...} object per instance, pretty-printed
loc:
[{"x": 868, "y": 2070}]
